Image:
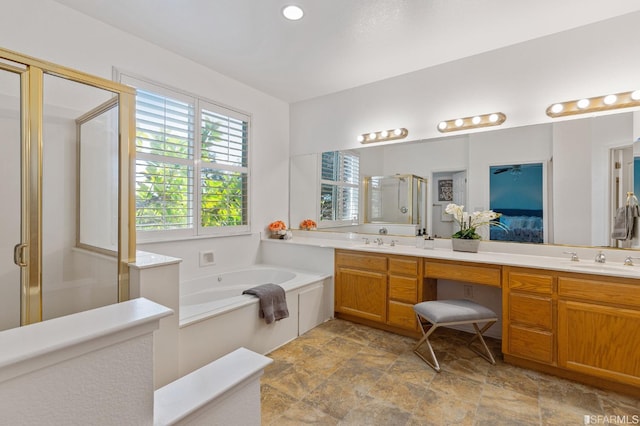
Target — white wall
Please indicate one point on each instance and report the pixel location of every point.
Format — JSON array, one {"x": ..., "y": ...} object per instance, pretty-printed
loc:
[
  {"x": 581, "y": 163},
  {"x": 520, "y": 80},
  {"x": 49, "y": 31}
]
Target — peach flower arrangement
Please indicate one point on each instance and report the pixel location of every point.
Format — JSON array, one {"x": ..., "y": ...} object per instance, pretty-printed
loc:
[
  {"x": 308, "y": 224},
  {"x": 278, "y": 225}
]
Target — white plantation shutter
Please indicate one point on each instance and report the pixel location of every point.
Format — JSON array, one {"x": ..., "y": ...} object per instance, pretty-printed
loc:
[
  {"x": 224, "y": 168},
  {"x": 192, "y": 171},
  {"x": 339, "y": 183}
]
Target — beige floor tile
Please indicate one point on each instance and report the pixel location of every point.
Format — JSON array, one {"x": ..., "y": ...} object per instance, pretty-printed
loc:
[
  {"x": 570, "y": 393},
  {"x": 302, "y": 413},
  {"x": 440, "y": 409},
  {"x": 375, "y": 412},
  {"x": 393, "y": 390},
  {"x": 273, "y": 403},
  {"x": 342, "y": 373},
  {"x": 498, "y": 403}
]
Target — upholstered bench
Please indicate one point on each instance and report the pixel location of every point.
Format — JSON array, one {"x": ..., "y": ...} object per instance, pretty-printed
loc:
[{"x": 440, "y": 313}]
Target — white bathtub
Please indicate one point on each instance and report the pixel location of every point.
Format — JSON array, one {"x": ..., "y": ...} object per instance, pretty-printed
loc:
[{"x": 216, "y": 318}]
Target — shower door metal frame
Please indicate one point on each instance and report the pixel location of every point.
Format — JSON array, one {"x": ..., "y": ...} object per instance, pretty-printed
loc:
[{"x": 28, "y": 253}]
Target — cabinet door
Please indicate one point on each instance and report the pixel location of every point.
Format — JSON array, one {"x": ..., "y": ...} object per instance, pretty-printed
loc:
[
  {"x": 361, "y": 293},
  {"x": 599, "y": 340},
  {"x": 402, "y": 315}
]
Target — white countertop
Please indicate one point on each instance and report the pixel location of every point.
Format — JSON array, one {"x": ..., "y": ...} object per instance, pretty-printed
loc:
[{"x": 509, "y": 254}]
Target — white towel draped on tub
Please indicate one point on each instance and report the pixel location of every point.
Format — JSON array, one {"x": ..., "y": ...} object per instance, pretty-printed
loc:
[{"x": 273, "y": 301}]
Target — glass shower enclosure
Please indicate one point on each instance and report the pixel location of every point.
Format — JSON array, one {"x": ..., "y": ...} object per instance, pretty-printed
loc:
[
  {"x": 395, "y": 199},
  {"x": 66, "y": 238}
]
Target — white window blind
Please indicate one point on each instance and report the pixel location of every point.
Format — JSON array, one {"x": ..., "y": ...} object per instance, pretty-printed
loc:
[
  {"x": 339, "y": 183},
  {"x": 192, "y": 171}
]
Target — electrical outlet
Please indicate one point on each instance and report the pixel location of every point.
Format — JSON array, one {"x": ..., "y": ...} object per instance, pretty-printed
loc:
[
  {"x": 206, "y": 258},
  {"x": 468, "y": 291}
]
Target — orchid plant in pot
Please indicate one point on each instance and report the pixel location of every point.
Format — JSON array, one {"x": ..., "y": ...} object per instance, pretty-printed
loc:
[{"x": 467, "y": 237}]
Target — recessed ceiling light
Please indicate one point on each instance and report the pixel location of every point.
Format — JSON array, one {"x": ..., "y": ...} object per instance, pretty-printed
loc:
[{"x": 292, "y": 12}]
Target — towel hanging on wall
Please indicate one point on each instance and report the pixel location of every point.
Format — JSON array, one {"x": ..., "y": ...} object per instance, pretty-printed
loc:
[{"x": 625, "y": 221}]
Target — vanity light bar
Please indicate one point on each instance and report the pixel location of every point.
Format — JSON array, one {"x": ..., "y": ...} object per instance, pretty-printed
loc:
[
  {"x": 383, "y": 135},
  {"x": 598, "y": 103},
  {"x": 485, "y": 120}
]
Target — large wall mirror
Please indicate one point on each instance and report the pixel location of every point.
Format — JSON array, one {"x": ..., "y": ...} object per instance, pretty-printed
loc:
[{"x": 582, "y": 174}]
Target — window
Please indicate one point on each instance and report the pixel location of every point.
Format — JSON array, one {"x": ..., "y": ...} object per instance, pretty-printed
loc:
[
  {"x": 339, "y": 183},
  {"x": 192, "y": 171}
]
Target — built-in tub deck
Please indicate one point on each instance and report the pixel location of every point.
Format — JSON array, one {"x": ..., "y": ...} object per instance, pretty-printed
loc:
[{"x": 216, "y": 318}]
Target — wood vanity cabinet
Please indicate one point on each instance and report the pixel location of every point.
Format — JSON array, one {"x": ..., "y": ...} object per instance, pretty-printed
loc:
[
  {"x": 361, "y": 285},
  {"x": 528, "y": 327},
  {"x": 380, "y": 289},
  {"x": 599, "y": 327},
  {"x": 405, "y": 275}
]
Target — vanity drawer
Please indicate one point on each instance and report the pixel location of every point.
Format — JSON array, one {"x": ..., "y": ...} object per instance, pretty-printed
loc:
[
  {"x": 532, "y": 344},
  {"x": 617, "y": 293},
  {"x": 402, "y": 315},
  {"x": 478, "y": 274},
  {"x": 404, "y": 289},
  {"x": 361, "y": 260},
  {"x": 531, "y": 282},
  {"x": 404, "y": 265},
  {"x": 531, "y": 310}
]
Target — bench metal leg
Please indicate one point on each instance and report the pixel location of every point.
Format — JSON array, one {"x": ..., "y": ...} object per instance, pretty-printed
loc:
[
  {"x": 486, "y": 354},
  {"x": 433, "y": 363},
  {"x": 484, "y": 351}
]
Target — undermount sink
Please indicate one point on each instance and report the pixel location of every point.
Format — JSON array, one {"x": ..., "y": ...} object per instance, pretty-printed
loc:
[
  {"x": 374, "y": 246},
  {"x": 603, "y": 267}
]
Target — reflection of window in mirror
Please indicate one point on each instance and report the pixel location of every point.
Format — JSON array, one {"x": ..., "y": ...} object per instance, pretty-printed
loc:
[
  {"x": 339, "y": 185},
  {"x": 516, "y": 192}
]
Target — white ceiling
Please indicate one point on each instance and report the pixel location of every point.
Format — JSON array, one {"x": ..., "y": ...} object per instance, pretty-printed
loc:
[{"x": 339, "y": 44}]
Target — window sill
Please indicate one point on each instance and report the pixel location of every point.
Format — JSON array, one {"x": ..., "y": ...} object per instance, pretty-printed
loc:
[{"x": 170, "y": 239}]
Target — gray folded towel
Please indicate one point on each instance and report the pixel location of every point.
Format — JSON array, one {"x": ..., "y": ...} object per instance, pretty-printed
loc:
[{"x": 273, "y": 301}]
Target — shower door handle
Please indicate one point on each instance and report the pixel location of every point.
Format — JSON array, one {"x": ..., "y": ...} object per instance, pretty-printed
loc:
[{"x": 18, "y": 255}]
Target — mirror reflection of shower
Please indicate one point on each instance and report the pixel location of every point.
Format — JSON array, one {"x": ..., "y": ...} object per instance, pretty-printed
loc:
[
  {"x": 403, "y": 208},
  {"x": 398, "y": 199}
]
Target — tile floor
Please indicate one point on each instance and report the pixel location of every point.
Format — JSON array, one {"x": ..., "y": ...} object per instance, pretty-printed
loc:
[{"x": 341, "y": 373}]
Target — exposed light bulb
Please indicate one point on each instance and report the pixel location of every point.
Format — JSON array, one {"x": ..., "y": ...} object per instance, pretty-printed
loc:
[
  {"x": 476, "y": 120},
  {"x": 442, "y": 125},
  {"x": 361, "y": 138},
  {"x": 372, "y": 136},
  {"x": 610, "y": 99},
  {"x": 384, "y": 134},
  {"x": 583, "y": 103},
  {"x": 635, "y": 95},
  {"x": 292, "y": 12},
  {"x": 459, "y": 122},
  {"x": 397, "y": 132},
  {"x": 557, "y": 108},
  {"x": 493, "y": 118}
]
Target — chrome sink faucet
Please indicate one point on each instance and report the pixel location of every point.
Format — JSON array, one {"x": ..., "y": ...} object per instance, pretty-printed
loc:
[
  {"x": 574, "y": 256},
  {"x": 628, "y": 261},
  {"x": 379, "y": 241},
  {"x": 600, "y": 257}
]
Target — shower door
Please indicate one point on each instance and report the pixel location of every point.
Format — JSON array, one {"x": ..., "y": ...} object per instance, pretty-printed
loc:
[
  {"x": 79, "y": 197},
  {"x": 66, "y": 240},
  {"x": 10, "y": 193}
]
